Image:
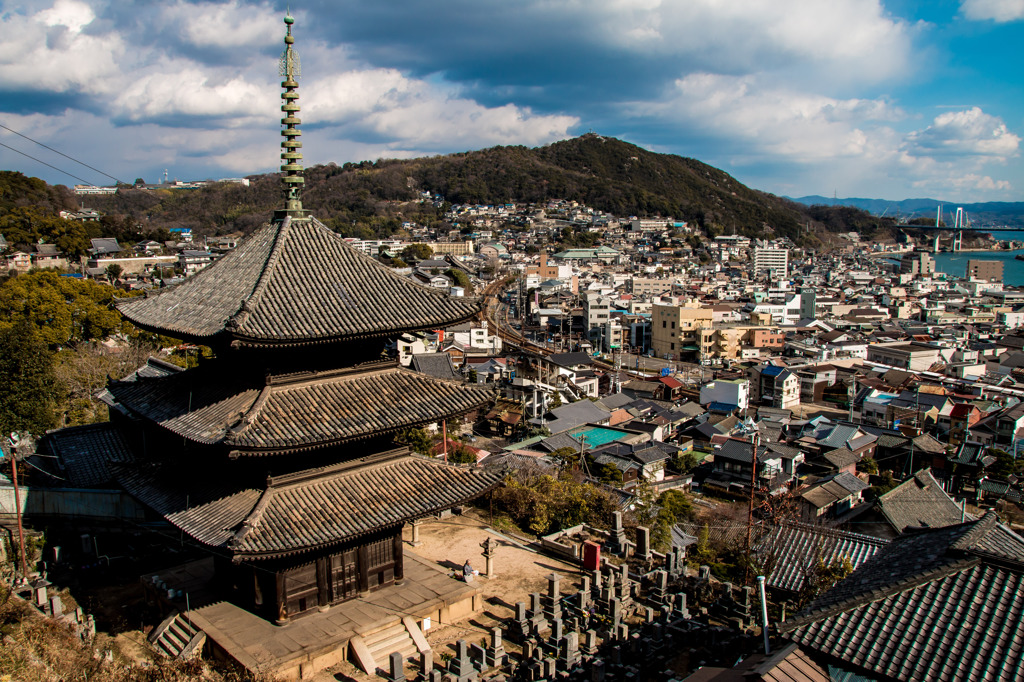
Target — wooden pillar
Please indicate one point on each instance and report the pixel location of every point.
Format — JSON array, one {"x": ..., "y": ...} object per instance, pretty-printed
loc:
[
  {"x": 323, "y": 585},
  {"x": 281, "y": 599},
  {"x": 396, "y": 545},
  {"x": 363, "y": 562}
]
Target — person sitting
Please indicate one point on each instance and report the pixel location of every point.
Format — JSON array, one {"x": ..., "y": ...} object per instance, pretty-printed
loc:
[{"x": 467, "y": 572}]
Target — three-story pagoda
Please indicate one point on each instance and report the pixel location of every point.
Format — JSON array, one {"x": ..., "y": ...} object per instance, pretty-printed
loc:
[{"x": 278, "y": 452}]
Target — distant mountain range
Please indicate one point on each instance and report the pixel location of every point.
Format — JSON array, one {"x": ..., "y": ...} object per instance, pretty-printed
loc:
[{"x": 991, "y": 213}]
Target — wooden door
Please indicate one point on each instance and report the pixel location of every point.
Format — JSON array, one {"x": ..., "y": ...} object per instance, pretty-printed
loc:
[{"x": 344, "y": 575}]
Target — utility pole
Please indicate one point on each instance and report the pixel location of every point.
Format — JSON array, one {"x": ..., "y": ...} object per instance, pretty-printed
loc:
[
  {"x": 17, "y": 508},
  {"x": 754, "y": 442}
]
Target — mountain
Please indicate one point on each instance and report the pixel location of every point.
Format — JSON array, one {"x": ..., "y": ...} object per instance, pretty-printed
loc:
[
  {"x": 991, "y": 213},
  {"x": 370, "y": 199}
]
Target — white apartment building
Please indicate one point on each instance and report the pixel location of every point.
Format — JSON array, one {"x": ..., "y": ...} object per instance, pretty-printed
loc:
[{"x": 771, "y": 261}]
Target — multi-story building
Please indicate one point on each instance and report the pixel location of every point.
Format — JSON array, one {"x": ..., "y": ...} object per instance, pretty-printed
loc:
[
  {"x": 987, "y": 270},
  {"x": 918, "y": 263},
  {"x": 916, "y": 357},
  {"x": 771, "y": 261},
  {"x": 649, "y": 286},
  {"x": 675, "y": 330},
  {"x": 735, "y": 392}
]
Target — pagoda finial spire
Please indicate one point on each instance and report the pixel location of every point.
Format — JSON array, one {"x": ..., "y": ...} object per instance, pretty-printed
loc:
[{"x": 291, "y": 157}]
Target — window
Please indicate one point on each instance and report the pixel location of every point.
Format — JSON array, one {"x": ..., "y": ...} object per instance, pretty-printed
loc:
[
  {"x": 672, "y": 346},
  {"x": 664, "y": 324}
]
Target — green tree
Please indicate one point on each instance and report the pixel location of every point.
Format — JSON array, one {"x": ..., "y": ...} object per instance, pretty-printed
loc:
[
  {"x": 459, "y": 453},
  {"x": 417, "y": 439},
  {"x": 610, "y": 475},
  {"x": 114, "y": 271},
  {"x": 460, "y": 278},
  {"x": 886, "y": 482},
  {"x": 703, "y": 549},
  {"x": 685, "y": 462},
  {"x": 62, "y": 309},
  {"x": 868, "y": 465},
  {"x": 416, "y": 252},
  {"x": 567, "y": 458},
  {"x": 29, "y": 395}
]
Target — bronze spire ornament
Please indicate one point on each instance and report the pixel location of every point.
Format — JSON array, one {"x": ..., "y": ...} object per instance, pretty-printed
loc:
[{"x": 291, "y": 157}]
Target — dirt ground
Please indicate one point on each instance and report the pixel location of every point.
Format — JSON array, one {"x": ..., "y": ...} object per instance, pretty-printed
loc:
[{"x": 518, "y": 572}]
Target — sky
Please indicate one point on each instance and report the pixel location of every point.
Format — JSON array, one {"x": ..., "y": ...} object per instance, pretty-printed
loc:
[{"x": 885, "y": 99}]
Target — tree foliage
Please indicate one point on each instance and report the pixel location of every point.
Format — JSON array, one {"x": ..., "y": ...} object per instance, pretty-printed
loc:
[
  {"x": 62, "y": 309},
  {"x": 372, "y": 199},
  {"x": 460, "y": 278},
  {"x": 416, "y": 252},
  {"x": 544, "y": 504},
  {"x": 29, "y": 396}
]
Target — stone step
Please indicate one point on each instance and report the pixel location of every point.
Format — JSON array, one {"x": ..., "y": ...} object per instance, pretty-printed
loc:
[
  {"x": 384, "y": 633},
  {"x": 398, "y": 642},
  {"x": 177, "y": 636}
]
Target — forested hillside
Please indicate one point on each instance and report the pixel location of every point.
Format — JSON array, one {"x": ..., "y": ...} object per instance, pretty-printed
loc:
[
  {"x": 370, "y": 199},
  {"x": 373, "y": 198}
]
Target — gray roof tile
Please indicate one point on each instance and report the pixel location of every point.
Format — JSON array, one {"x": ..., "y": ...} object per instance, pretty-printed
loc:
[
  {"x": 943, "y": 604},
  {"x": 294, "y": 283},
  {"x": 303, "y": 411}
]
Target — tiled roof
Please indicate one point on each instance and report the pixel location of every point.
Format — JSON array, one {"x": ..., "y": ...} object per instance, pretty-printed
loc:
[
  {"x": 302, "y": 411},
  {"x": 337, "y": 503},
  {"x": 309, "y": 509},
  {"x": 943, "y": 604},
  {"x": 437, "y": 365},
  {"x": 919, "y": 501},
  {"x": 295, "y": 283},
  {"x": 83, "y": 453},
  {"x": 841, "y": 457},
  {"x": 798, "y": 548}
]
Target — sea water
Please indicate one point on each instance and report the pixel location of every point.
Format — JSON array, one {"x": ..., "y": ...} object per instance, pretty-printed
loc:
[{"x": 955, "y": 264}]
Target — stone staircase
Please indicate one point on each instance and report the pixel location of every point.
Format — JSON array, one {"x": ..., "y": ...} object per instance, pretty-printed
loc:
[
  {"x": 372, "y": 651},
  {"x": 176, "y": 638}
]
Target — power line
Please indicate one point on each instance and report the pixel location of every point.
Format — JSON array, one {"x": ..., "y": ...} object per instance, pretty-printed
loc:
[
  {"x": 58, "y": 152},
  {"x": 45, "y": 164}
]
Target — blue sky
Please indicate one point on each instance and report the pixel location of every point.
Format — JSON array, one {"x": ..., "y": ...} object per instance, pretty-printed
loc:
[{"x": 894, "y": 100}]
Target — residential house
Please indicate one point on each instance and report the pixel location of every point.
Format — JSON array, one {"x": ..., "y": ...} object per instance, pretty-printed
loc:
[{"x": 959, "y": 588}]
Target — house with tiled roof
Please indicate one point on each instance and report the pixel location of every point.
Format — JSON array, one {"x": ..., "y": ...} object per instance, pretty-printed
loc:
[
  {"x": 918, "y": 502},
  {"x": 831, "y": 498},
  {"x": 942, "y": 604},
  {"x": 794, "y": 551}
]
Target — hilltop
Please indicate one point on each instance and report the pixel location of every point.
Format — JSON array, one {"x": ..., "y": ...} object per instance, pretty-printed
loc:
[{"x": 372, "y": 198}]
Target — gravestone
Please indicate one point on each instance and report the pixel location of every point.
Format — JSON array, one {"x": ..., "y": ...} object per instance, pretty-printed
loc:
[
  {"x": 553, "y": 600},
  {"x": 496, "y": 656},
  {"x": 590, "y": 642},
  {"x": 461, "y": 667},
  {"x": 569, "y": 651},
  {"x": 643, "y": 543},
  {"x": 396, "y": 671}
]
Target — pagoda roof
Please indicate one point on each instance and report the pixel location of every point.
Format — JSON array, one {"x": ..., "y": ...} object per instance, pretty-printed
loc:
[
  {"x": 294, "y": 282},
  {"x": 309, "y": 509},
  {"x": 294, "y": 412}
]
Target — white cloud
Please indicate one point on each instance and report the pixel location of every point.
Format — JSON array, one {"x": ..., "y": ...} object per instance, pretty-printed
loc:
[
  {"x": 775, "y": 120},
  {"x": 71, "y": 14},
  {"x": 49, "y": 52},
  {"x": 415, "y": 113},
  {"x": 850, "y": 39},
  {"x": 1000, "y": 11},
  {"x": 183, "y": 89},
  {"x": 224, "y": 25},
  {"x": 970, "y": 132}
]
